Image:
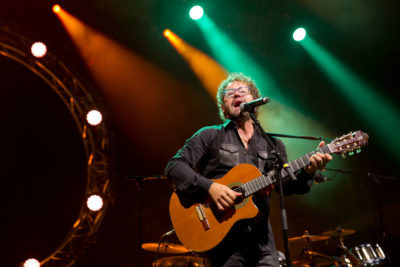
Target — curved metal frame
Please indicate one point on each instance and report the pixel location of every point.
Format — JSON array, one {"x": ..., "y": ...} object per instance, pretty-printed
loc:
[{"x": 95, "y": 140}]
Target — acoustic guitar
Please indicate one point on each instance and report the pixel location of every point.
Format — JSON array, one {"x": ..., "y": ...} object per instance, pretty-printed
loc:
[{"x": 202, "y": 226}]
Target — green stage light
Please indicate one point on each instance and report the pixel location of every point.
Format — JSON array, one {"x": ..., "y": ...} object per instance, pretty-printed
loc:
[
  {"x": 235, "y": 58},
  {"x": 377, "y": 110},
  {"x": 299, "y": 34},
  {"x": 196, "y": 12}
]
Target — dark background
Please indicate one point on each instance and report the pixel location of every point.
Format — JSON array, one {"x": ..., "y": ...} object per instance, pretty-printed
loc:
[{"x": 43, "y": 159}]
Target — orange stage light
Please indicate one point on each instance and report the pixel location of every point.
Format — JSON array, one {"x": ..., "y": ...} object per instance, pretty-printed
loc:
[
  {"x": 56, "y": 8},
  {"x": 167, "y": 32},
  {"x": 136, "y": 89},
  {"x": 209, "y": 72}
]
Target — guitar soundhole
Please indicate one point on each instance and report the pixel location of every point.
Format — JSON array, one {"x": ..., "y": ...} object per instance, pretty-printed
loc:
[{"x": 240, "y": 199}]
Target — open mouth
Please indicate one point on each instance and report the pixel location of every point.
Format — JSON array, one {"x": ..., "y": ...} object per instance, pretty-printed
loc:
[{"x": 237, "y": 103}]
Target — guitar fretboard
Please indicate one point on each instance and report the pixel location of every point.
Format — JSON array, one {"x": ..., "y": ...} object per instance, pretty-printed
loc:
[{"x": 263, "y": 181}]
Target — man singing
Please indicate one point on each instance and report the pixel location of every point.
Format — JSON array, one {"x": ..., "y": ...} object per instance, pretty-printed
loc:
[{"x": 212, "y": 151}]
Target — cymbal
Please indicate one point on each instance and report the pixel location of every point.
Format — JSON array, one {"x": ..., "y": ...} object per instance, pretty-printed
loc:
[
  {"x": 308, "y": 238},
  {"x": 339, "y": 232},
  {"x": 165, "y": 248}
]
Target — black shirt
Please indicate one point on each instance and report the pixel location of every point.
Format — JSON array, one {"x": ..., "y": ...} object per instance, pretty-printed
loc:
[{"x": 210, "y": 153}]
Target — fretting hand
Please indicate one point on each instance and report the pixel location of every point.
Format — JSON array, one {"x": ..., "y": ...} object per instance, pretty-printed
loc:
[{"x": 318, "y": 161}]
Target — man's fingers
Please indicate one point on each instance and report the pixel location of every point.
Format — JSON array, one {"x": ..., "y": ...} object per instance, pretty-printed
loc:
[
  {"x": 228, "y": 200},
  {"x": 223, "y": 203},
  {"x": 233, "y": 194},
  {"x": 219, "y": 206},
  {"x": 321, "y": 144},
  {"x": 223, "y": 196},
  {"x": 313, "y": 162},
  {"x": 318, "y": 157}
]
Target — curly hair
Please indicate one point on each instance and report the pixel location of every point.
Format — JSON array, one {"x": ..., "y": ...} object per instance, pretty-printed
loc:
[{"x": 235, "y": 77}]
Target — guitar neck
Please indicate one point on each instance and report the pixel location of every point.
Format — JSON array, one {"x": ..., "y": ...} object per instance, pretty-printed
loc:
[{"x": 263, "y": 181}]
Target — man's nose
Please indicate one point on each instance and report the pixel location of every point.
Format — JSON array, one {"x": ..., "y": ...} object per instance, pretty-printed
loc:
[{"x": 236, "y": 93}]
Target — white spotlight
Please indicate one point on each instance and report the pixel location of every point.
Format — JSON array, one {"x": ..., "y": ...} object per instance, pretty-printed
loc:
[
  {"x": 38, "y": 49},
  {"x": 94, "y": 203},
  {"x": 196, "y": 12},
  {"x": 299, "y": 34},
  {"x": 94, "y": 117},
  {"x": 31, "y": 263}
]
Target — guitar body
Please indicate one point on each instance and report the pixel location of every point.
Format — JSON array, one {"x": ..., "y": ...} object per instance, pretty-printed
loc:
[{"x": 202, "y": 232}]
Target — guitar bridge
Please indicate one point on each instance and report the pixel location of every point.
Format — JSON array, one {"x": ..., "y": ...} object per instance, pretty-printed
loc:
[{"x": 202, "y": 217}]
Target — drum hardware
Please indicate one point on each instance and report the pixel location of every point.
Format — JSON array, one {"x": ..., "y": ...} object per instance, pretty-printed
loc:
[
  {"x": 301, "y": 263},
  {"x": 309, "y": 254},
  {"x": 180, "y": 261},
  {"x": 380, "y": 252},
  {"x": 348, "y": 259},
  {"x": 362, "y": 255},
  {"x": 281, "y": 258},
  {"x": 316, "y": 258},
  {"x": 333, "y": 252},
  {"x": 314, "y": 262},
  {"x": 370, "y": 255}
]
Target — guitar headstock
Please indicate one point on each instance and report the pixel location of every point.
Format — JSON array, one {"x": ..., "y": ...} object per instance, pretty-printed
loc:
[{"x": 349, "y": 143}]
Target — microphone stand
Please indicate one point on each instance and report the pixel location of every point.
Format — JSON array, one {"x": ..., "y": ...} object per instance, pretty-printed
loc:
[
  {"x": 320, "y": 138},
  {"x": 278, "y": 165},
  {"x": 139, "y": 185}
]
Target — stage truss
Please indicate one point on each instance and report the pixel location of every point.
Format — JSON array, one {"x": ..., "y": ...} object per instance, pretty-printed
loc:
[{"x": 96, "y": 140}]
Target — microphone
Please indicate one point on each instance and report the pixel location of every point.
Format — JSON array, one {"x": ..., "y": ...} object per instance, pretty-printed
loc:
[{"x": 253, "y": 104}]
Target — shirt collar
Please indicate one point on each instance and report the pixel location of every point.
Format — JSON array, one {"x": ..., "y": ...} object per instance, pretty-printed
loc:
[
  {"x": 229, "y": 124},
  {"x": 232, "y": 124}
]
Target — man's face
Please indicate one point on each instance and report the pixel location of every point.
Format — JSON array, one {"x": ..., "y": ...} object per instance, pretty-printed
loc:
[{"x": 235, "y": 94}]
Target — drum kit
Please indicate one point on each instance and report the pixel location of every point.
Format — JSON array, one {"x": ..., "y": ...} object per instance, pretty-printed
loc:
[
  {"x": 328, "y": 249},
  {"x": 322, "y": 250}
]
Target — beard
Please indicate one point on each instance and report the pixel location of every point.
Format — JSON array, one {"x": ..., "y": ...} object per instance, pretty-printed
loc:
[{"x": 241, "y": 116}]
